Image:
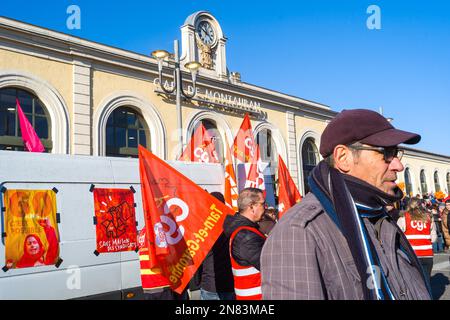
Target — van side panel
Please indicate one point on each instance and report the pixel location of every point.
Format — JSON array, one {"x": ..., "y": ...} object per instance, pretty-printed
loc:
[{"x": 82, "y": 273}]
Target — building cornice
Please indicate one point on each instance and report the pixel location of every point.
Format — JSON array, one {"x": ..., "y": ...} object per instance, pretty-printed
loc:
[
  {"x": 66, "y": 48},
  {"x": 426, "y": 155}
]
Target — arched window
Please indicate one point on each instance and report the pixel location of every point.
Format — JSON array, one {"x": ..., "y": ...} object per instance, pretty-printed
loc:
[
  {"x": 448, "y": 182},
  {"x": 211, "y": 128},
  {"x": 423, "y": 182},
  {"x": 267, "y": 148},
  {"x": 408, "y": 185},
  {"x": 437, "y": 186},
  {"x": 310, "y": 158},
  {"x": 125, "y": 130},
  {"x": 34, "y": 110}
]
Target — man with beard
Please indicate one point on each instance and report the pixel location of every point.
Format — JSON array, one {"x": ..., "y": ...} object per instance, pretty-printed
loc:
[{"x": 339, "y": 242}]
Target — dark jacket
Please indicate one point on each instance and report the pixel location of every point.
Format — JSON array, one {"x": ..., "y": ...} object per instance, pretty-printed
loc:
[
  {"x": 216, "y": 275},
  {"x": 266, "y": 225},
  {"x": 247, "y": 245}
]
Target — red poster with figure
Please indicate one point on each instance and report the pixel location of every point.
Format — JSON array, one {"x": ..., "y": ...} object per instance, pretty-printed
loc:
[{"x": 115, "y": 220}]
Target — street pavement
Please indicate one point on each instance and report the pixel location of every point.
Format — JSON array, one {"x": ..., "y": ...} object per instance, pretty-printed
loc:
[{"x": 440, "y": 276}]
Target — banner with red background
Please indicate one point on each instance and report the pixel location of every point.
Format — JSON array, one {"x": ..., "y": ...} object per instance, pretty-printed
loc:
[
  {"x": 115, "y": 220},
  {"x": 182, "y": 220}
]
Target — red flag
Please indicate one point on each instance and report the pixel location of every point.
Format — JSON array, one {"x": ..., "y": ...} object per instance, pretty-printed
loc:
[
  {"x": 182, "y": 220},
  {"x": 243, "y": 146},
  {"x": 200, "y": 148},
  {"x": 255, "y": 176},
  {"x": 29, "y": 136},
  {"x": 231, "y": 190},
  {"x": 288, "y": 194}
]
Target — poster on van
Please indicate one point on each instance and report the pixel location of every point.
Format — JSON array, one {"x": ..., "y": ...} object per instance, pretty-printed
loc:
[
  {"x": 115, "y": 220},
  {"x": 31, "y": 228}
]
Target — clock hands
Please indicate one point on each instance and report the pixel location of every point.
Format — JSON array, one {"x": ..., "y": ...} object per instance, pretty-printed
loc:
[{"x": 206, "y": 33}]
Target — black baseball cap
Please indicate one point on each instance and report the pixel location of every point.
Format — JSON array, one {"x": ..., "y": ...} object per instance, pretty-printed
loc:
[{"x": 365, "y": 126}]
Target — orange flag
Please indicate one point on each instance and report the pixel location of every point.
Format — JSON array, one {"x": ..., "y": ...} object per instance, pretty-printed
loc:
[
  {"x": 182, "y": 220},
  {"x": 231, "y": 189},
  {"x": 288, "y": 194},
  {"x": 243, "y": 146},
  {"x": 255, "y": 176},
  {"x": 200, "y": 148}
]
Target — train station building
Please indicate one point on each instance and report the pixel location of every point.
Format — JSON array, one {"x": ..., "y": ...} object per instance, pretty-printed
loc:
[{"x": 86, "y": 98}]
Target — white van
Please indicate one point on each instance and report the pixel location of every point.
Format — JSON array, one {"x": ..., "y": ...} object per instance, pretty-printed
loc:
[{"x": 82, "y": 274}]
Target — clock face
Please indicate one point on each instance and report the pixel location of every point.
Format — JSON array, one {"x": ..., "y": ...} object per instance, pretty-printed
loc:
[{"x": 206, "y": 33}]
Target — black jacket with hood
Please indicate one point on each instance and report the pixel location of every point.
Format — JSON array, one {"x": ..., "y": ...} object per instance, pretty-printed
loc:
[{"x": 247, "y": 245}]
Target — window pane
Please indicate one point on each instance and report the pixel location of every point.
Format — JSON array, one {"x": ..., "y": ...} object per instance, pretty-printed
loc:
[
  {"x": 142, "y": 138},
  {"x": 41, "y": 127},
  {"x": 110, "y": 135},
  {"x": 38, "y": 107},
  {"x": 120, "y": 118},
  {"x": 132, "y": 138},
  {"x": 11, "y": 126},
  {"x": 131, "y": 119},
  {"x": 26, "y": 101},
  {"x": 3, "y": 122},
  {"x": 121, "y": 140},
  {"x": 8, "y": 98}
]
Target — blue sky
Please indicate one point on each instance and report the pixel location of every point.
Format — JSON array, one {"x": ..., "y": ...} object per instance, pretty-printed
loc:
[{"x": 317, "y": 50}]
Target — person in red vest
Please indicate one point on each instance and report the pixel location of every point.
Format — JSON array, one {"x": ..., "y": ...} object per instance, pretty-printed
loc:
[
  {"x": 420, "y": 232},
  {"x": 246, "y": 242}
]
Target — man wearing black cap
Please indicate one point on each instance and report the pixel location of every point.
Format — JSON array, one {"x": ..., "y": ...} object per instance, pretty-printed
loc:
[{"x": 339, "y": 242}]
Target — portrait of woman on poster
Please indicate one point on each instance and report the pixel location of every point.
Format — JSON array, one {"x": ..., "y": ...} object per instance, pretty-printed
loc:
[{"x": 34, "y": 253}]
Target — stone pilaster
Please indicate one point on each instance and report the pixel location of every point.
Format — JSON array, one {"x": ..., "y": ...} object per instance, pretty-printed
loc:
[
  {"x": 82, "y": 109},
  {"x": 292, "y": 147}
]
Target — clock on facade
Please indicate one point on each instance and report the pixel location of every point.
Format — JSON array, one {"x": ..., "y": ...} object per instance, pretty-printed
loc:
[{"x": 206, "y": 33}]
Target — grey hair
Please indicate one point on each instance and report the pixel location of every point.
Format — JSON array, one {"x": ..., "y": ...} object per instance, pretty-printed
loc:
[
  {"x": 330, "y": 159},
  {"x": 248, "y": 197}
]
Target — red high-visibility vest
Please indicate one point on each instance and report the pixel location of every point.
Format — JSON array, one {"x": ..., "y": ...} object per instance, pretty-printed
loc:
[
  {"x": 151, "y": 278},
  {"x": 247, "y": 279},
  {"x": 418, "y": 234}
]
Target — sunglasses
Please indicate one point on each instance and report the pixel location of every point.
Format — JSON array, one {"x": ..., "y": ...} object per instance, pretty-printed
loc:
[{"x": 389, "y": 153}]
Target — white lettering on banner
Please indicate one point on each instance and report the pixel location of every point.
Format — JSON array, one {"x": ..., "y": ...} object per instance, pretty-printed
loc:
[
  {"x": 249, "y": 145},
  {"x": 179, "y": 232},
  {"x": 160, "y": 235},
  {"x": 419, "y": 225},
  {"x": 201, "y": 154}
]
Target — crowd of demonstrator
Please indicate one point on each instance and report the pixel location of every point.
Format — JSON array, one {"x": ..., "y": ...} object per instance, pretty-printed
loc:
[{"x": 354, "y": 236}]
